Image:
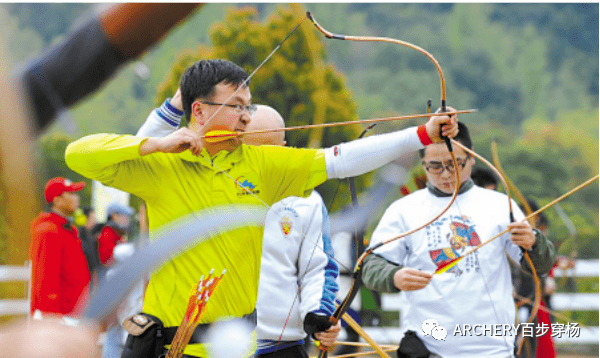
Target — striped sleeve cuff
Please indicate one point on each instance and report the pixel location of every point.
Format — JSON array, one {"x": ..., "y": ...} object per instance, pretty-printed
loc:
[{"x": 170, "y": 114}]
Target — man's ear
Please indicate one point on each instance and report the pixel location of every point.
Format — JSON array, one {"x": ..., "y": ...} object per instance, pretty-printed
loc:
[
  {"x": 56, "y": 200},
  {"x": 197, "y": 113}
]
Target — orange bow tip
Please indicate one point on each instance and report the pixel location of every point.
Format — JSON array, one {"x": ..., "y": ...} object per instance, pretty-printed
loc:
[
  {"x": 447, "y": 266},
  {"x": 219, "y": 136}
]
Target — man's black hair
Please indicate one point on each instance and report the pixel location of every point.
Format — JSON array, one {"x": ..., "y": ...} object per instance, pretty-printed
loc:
[
  {"x": 463, "y": 137},
  {"x": 483, "y": 177},
  {"x": 199, "y": 80}
]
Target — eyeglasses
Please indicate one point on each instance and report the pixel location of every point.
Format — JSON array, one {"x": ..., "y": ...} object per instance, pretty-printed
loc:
[
  {"x": 438, "y": 168},
  {"x": 237, "y": 108}
]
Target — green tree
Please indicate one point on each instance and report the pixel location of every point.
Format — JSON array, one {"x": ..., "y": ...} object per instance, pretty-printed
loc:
[
  {"x": 52, "y": 151},
  {"x": 288, "y": 81}
]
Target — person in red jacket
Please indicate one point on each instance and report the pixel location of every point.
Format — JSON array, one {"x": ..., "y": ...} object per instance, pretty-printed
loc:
[
  {"x": 117, "y": 225},
  {"x": 60, "y": 274}
]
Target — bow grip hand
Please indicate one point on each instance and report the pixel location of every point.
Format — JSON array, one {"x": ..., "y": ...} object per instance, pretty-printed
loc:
[
  {"x": 314, "y": 323},
  {"x": 441, "y": 128}
]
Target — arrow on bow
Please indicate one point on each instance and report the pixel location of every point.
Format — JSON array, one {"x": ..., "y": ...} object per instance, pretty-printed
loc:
[{"x": 222, "y": 135}]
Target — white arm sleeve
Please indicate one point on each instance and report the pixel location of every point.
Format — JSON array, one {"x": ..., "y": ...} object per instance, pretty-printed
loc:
[
  {"x": 161, "y": 122},
  {"x": 363, "y": 155}
]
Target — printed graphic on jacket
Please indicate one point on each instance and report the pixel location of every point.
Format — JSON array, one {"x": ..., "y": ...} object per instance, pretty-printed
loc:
[
  {"x": 459, "y": 235},
  {"x": 286, "y": 225},
  {"x": 287, "y": 215}
]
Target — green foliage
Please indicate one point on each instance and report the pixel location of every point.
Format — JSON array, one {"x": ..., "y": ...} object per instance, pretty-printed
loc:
[
  {"x": 57, "y": 18},
  {"x": 52, "y": 150},
  {"x": 288, "y": 81},
  {"x": 546, "y": 162}
]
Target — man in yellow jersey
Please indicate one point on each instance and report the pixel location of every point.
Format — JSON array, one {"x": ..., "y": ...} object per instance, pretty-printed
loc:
[
  {"x": 298, "y": 277},
  {"x": 182, "y": 173}
]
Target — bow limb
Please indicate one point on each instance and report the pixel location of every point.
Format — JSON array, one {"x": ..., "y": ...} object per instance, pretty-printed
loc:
[
  {"x": 358, "y": 269},
  {"x": 553, "y": 202},
  {"x": 528, "y": 211},
  {"x": 508, "y": 183},
  {"x": 443, "y": 109},
  {"x": 340, "y": 313},
  {"x": 388, "y": 40}
]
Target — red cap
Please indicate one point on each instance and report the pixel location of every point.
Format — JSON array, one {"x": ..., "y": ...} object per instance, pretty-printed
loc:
[{"x": 55, "y": 187}]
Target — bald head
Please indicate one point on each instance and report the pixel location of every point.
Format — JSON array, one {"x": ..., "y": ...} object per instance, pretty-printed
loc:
[{"x": 265, "y": 118}]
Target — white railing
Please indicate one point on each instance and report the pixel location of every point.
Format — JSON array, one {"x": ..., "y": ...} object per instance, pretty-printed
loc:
[
  {"x": 9, "y": 307},
  {"x": 389, "y": 302}
]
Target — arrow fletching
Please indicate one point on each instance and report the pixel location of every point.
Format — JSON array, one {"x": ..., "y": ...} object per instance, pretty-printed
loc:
[
  {"x": 448, "y": 265},
  {"x": 220, "y": 136}
]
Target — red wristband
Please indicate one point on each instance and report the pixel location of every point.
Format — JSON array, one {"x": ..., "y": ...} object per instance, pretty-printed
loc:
[{"x": 423, "y": 136}]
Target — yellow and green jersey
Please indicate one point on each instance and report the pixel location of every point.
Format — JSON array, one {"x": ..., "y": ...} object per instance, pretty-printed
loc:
[{"x": 175, "y": 185}]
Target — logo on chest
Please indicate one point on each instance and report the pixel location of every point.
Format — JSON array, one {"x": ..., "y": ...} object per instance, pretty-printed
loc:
[
  {"x": 286, "y": 225},
  {"x": 246, "y": 186},
  {"x": 287, "y": 215}
]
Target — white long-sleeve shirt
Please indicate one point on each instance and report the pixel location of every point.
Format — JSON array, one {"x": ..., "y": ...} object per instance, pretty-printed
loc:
[{"x": 477, "y": 291}]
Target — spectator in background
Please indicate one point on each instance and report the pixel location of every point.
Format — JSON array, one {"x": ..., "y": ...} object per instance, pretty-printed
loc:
[
  {"x": 484, "y": 178},
  {"x": 60, "y": 274},
  {"x": 117, "y": 225},
  {"x": 89, "y": 240}
]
